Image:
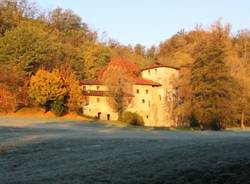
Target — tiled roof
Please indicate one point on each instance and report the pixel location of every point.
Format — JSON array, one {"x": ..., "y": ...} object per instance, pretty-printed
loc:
[
  {"x": 91, "y": 82},
  {"x": 142, "y": 81},
  {"x": 132, "y": 71},
  {"x": 100, "y": 93},
  {"x": 136, "y": 80},
  {"x": 127, "y": 65}
]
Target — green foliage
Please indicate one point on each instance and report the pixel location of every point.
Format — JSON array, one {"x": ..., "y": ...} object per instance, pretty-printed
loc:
[
  {"x": 58, "y": 108},
  {"x": 96, "y": 56},
  {"x": 65, "y": 20},
  {"x": 25, "y": 49},
  {"x": 9, "y": 15},
  {"x": 132, "y": 118}
]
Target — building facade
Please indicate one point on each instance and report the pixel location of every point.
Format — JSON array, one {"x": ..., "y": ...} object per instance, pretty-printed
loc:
[{"x": 152, "y": 96}]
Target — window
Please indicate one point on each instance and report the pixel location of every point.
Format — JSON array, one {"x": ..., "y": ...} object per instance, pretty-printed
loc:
[
  {"x": 143, "y": 101},
  {"x": 84, "y": 88},
  {"x": 155, "y": 70},
  {"x": 147, "y": 116},
  {"x": 148, "y": 72},
  {"x": 146, "y": 91},
  {"x": 98, "y": 99},
  {"x": 160, "y": 97},
  {"x": 97, "y": 88},
  {"x": 137, "y": 91}
]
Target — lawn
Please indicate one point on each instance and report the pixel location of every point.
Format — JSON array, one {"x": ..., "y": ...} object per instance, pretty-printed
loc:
[{"x": 59, "y": 151}]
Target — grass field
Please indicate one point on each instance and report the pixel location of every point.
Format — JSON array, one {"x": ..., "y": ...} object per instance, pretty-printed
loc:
[{"x": 55, "y": 151}]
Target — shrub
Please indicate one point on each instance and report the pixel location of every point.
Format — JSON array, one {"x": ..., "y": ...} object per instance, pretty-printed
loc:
[
  {"x": 216, "y": 125},
  {"x": 193, "y": 121},
  {"x": 132, "y": 118},
  {"x": 58, "y": 108}
]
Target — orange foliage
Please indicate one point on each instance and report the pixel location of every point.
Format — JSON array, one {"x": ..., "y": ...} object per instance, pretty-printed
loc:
[{"x": 7, "y": 100}]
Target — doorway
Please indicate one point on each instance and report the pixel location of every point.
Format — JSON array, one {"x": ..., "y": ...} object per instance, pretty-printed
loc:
[
  {"x": 99, "y": 115},
  {"x": 108, "y": 116}
]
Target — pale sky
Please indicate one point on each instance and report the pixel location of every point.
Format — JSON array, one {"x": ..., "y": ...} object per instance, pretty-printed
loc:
[{"x": 151, "y": 21}]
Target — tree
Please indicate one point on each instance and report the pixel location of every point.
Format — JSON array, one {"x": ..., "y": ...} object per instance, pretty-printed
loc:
[
  {"x": 183, "y": 107},
  {"x": 65, "y": 20},
  {"x": 151, "y": 54},
  {"x": 12, "y": 12},
  {"x": 139, "y": 50},
  {"x": 243, "y": 103},
  {"x": 7, "y": 99},
  {"x": 240, "y": 67},
  {"x": 47, "y": 87},
  {"x": 119, "y": 85},
  {"x": 127, "y": 52},
  {"x": 96, "y": 56},
  {"x": 74, "y": 97},
  {"x": 13, "y": 91},
  {"x": 212, "y": 84},
  {"x": 171, "y": 100},
  {"x": 25, "y": 49},
  {"x": 242, "y": 44},
  {"x": 9, "y": 15}
]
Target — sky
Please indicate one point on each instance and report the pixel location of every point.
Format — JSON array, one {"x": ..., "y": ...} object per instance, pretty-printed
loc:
[{"x": 150, "y": 22}]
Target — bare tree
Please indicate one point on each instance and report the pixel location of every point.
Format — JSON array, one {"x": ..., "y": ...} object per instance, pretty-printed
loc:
[
  {"x": 171, "y": 100},
  {"x": 119, "y": 85}
]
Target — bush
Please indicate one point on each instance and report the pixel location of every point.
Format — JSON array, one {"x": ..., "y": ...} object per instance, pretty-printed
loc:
[
  {"x": 132, "y": 118},
  {"x": 58, "y": 108},
  {"x": 193, "y": 121},
  {"x": 216, "y": 125}
]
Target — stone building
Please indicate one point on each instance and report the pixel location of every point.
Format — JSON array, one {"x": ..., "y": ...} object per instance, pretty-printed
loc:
[{"x": 152, "y": 95}]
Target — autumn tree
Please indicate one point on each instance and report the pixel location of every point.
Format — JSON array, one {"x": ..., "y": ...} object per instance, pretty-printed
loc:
[
  {"x": 127, "y": 52},
  {"x": 7, "y": 99},
  {"x": 119, "y": 85},
  {"x": 242, "y": 101},
  {"x": 212, "y": 84},
  {"x": 74, "y": 97},
  {"x": 45, "y": 88},
  {"x": 240, "y": 68},
  {"x": 139, "y": 50},
  {"x": 14, "y": 91},
  {"x": 183, "y": 107},
  {"x": 152, "y": 54}
]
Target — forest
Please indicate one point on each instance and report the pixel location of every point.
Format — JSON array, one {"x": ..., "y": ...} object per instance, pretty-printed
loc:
[{"x": 44, "y": 55}]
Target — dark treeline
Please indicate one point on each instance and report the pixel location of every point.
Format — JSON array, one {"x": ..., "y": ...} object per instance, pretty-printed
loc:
[{"x": 214, "y": 75}]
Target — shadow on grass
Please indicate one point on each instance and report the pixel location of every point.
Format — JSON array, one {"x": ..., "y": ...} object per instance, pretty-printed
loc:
[{"x": 235, "y": 173}]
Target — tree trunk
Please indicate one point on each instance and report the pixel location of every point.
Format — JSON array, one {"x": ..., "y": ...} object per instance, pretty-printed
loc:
[{"x": 242, "y": 119}]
